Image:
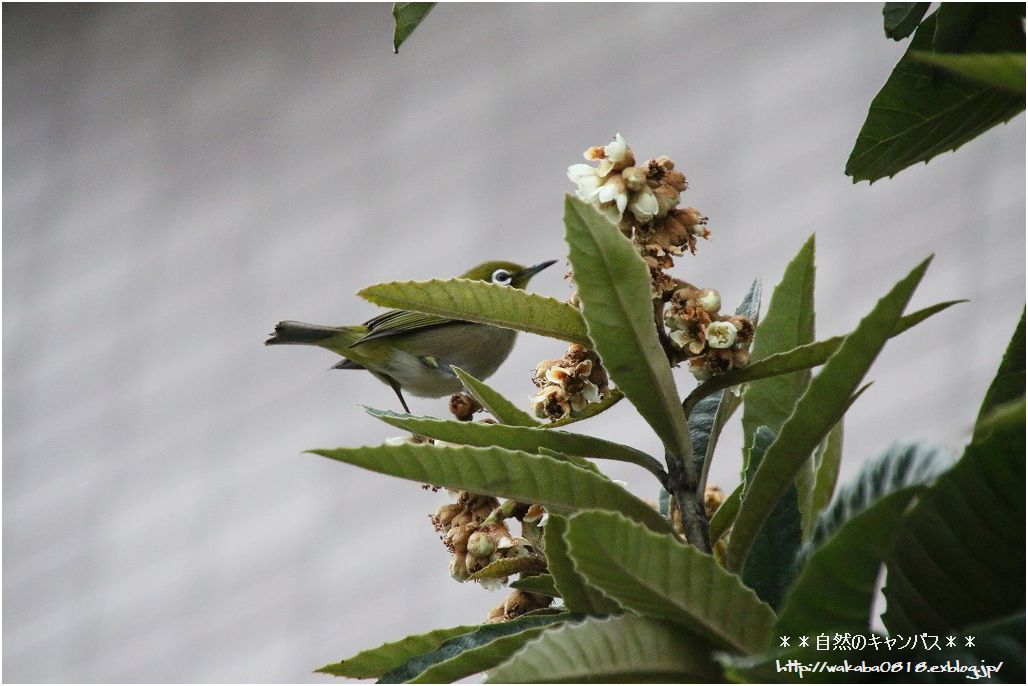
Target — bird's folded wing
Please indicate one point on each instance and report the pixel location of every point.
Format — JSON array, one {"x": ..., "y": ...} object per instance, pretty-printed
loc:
[{"x": 396, "y": 322}]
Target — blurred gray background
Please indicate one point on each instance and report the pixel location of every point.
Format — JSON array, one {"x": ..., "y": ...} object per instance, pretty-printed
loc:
[{"x": 177, "y": 178}]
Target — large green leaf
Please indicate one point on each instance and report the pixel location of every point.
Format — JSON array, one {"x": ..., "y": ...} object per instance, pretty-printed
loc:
[
  {"x": 817, "y": 411},
  {"x": 578, "y": 595},
  {"x": 375, "y": 662},
  {"x": 923, "y": 111},
  {"x": 514, "y": 474},
  {"x": 769, "y": 568},
  {"x": 447, "y": 657},
  {"x": 517, "y": 438},
  {"x": 901, "y": 465},
  {"x": 614, "y": 287},
  {"x": 835, "y": 589},
  {"x": 814, "y": 498},
  {"x": 709, "y": 416},
  {"x": 959, "y": 558},
  {"x": 407, "y": 16},
  {"x": 657, "y": 576},
  {"x": 623, "y": 649},
  {"x": 1001, "y": 69},
  {"x": 804, "y": 357},
  {"x": 485, "y": 303},
  {"x": 1009, "y": 382},
  {"x": 504, "y": 410},
  {"x": 901, "y": 18},
  {"x": 788, "y": 324}
]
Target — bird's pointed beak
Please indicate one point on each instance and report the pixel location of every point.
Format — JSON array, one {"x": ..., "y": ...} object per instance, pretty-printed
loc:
[{"x": 529, "y": 272}]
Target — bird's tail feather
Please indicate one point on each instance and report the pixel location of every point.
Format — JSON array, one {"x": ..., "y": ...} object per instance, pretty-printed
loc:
[{"x": 298, "y": 333}]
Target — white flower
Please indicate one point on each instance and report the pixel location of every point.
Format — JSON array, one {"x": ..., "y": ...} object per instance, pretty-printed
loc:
[
  {"x": 586, "y": 178},
  {"x": 644, "y": 205},
  {"x": 615, "y": 153},
  {"x": 614, "y": 191},
  {"x": 721, "y": 334}
]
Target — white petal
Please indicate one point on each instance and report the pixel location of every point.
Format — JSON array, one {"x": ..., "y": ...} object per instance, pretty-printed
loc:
[
  {"x": 616, "y": 150},
  {"x": 590, "y": 392},
  {"x": 577, "y": 172},
  {"x": 644, "y": 205}
]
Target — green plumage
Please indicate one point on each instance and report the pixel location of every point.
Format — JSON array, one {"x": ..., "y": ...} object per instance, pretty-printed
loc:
[{"x": 413, "y": 351}]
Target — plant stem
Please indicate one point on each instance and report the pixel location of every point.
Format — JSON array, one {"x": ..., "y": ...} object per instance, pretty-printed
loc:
[{"x": 690, "y": 504}]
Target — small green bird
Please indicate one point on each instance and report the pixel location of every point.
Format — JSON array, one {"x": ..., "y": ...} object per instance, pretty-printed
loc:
[{"x": 412, "y": 351}]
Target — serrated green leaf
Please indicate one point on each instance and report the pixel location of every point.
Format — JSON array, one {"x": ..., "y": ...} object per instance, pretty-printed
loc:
[
  {"x": 407, "y": 16},
  {"x": 1009, "y": 382},
  {"x": 769, "y": 568},
  {"x": 1002, "y": 69},
  {"x": 609, "y": 399},
  {"x": 485, "y": 303},
  {"x": 517, "y": 438},
  {"x": 375, "y": 662},
  {"x": 825, "y": 474},
  {"x": 804, "y": 357},
  {"x": 788, "y": 324},
  {"x": 817, "y": 411},
  {"x": 657, "y": 576},
  {"x": 922, "y": 111},
  {"x": 541, "y": 584},
  {"x": 578, "y": 595},
  {"x": 901, "y": 465},
  {"x": 482, "y": 637},
  {"x": 901, "y": 18},
  {"x": 622, "y": 649},
  {"x": 959, "y": 558},
  {"x": 509, "y": 566},
  {"x": 525, "y": 477},
  {"x": 502, "y": 409},
  {"x": 614, "y": 287},
  {"x": 835, "y": 589}
]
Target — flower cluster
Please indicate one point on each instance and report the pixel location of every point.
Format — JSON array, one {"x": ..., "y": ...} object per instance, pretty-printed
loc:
[
  {"x": 643, "y": 201},
  {"x": 710, "y": 342},
  {"x": 569, "y": 384},
  {"x": 472, "y": 537}
]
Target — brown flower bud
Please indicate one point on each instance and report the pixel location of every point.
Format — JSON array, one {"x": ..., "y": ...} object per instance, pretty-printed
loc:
[{"x": 463, "y": 406}]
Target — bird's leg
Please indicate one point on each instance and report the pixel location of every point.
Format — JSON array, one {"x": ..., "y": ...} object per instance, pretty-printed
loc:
[{"x": 396, "y": 389}]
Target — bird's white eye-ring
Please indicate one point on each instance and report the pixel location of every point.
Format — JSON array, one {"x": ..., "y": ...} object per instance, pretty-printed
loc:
[{"x": 502, "y": 277}]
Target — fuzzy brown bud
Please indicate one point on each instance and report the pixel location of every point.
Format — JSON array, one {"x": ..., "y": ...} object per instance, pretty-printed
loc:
[{"x": 463, "y": 406}]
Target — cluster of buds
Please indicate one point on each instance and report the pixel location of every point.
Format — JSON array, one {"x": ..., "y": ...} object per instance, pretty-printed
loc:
[
  {"x": 643, "y": 201},
  {"x": 516, "y": 604},
  {"x": 474, "y": 537},
  {"x": 569, "y": 384},
  {"x": 711, "y": 343}
]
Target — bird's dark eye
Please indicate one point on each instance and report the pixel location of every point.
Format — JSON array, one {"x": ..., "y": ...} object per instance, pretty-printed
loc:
[{"x": 502, "y": 277}]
